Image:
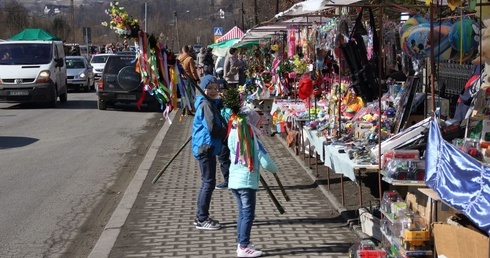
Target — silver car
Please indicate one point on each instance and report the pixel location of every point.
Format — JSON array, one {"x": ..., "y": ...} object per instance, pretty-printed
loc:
[
  {"x": 79, "y": 73},
  {"x": 98, "y": 61}
]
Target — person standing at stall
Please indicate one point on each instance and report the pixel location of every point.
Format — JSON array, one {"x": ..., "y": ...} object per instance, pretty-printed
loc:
[
  {"x": 232, "y": 68},
  {"x": 242, "y": 72}
]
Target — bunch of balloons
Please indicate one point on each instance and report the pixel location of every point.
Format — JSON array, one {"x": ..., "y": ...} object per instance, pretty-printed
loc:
[{"x": 458, "y": 41}]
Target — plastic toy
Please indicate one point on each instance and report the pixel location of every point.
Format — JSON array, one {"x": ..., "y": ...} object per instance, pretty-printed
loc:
[
  {"x": 390, "y": 197},
  {"x": 404, "y": 170},
  {"x": 366, "y": 249},
  {"x": 409, "y": 172},
  {"x": 414, "y": 233}
]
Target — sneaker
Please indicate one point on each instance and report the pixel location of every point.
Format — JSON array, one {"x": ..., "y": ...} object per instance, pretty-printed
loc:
[
  {"x": 208, "y": 224},
  {"x": 223, "y": 185},
  {"x": 249, "y": 251},
  {"x": 195, "y": 221}
]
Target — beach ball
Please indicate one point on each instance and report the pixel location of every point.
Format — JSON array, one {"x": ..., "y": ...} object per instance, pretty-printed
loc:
[
  {"x": 442, "y": 48},
  {"x": 465, "y": 36},
  {"x": 418, "y": 40}
]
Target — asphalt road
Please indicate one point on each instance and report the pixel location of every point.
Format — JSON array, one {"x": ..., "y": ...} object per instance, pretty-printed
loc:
[{"x": 64, "y": 170}]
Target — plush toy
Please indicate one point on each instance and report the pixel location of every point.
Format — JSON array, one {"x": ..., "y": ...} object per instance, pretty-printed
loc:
[
  {"x": 351, "y": 103},
  {"x": 305, "y": 87}
]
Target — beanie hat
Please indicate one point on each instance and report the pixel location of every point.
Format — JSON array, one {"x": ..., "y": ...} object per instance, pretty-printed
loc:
[{"x": 206, "y": 80}]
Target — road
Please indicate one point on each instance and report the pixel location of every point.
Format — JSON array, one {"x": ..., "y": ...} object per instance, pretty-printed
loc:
[{"x": 63, "y": 172}]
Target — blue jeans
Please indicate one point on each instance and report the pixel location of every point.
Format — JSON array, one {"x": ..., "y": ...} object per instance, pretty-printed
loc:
[
  {"x": 224, "y": 161},
  {"x": 246, "y": 200},
  {"x": 207, "y": 164}
]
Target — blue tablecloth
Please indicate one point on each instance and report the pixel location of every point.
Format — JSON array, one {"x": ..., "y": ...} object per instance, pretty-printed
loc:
[{"x": 332, "y": 158}]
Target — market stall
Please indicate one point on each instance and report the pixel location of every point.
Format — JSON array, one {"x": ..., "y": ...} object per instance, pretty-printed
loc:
[{"x": 360, "y": 95}]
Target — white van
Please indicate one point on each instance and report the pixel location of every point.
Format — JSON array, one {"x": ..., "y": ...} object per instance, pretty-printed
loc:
[{"x": 32, "y": 71}]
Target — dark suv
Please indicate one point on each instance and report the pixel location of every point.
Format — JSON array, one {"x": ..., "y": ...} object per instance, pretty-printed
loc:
[{"x": 120, "y": 83}]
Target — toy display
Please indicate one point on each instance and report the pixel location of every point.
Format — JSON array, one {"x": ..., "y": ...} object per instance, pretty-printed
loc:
[
  {"x": 387, "y": 227},
  {"x": 366, "y": 249},
  {"x": 414, "y": 232},
  {"x": 390, "y": 197},
  {"x": 399, "y": 170},
  {"x": 400, "y": 155},
  {"x": 470, "y": 146}
]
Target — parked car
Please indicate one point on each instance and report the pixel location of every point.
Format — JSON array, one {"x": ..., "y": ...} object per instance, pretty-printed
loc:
[
  {"x": 79, "y": 73},
  {"x": 120, "y": 83},
  {"x": 98, "y": 61}
]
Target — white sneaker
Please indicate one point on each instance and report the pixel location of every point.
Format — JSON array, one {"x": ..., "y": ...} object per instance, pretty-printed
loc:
[{"x": 249, "y": 251}]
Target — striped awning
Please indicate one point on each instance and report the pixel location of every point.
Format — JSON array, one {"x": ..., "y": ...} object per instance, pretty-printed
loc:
[{"x": 234, "y": 33}]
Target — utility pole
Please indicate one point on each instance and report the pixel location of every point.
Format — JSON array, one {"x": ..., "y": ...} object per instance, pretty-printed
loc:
[
  {"x": 255, "y": 13},
  {"x": 177, "y": 31},
  {"x": 146, "y": 16},
  {"x": 243, "y": 23},
  {"x": 72, "y": 6}
]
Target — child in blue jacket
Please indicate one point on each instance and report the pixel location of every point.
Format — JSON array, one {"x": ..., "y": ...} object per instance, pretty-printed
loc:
[
  {"x": 247, "y": 155},
  {"x": 208, "y": 134}
]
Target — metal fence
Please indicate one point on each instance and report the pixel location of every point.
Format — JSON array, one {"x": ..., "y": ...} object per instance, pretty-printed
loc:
[{"x": 452, "y": 77}]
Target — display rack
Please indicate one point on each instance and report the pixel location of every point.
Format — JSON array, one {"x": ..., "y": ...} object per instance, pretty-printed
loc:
[
  {"x": 397, "y": 243},
  {"x": 395, "y": 182}
]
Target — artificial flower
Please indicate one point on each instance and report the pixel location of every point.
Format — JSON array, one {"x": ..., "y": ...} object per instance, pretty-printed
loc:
[{"x": 121, "y": 22}]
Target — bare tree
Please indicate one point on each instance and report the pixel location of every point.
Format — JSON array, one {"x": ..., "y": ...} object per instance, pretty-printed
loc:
[{"x": 16, "y": 16}]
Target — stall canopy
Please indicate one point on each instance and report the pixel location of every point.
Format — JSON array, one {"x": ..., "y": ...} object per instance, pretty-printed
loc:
[
  {"x": 268, "y": 29},
  {"x": 225, "y": 43},
  {"x": 222, "y": 48},
  {"x": 312, "y": 6},
  {"x": 34, "y": 34},
  {"x": 234, "y": 33}
]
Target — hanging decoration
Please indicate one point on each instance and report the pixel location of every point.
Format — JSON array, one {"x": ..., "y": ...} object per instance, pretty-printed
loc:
[
  {"x": 121, "y": 22},
  {"x": 406, "y": 29},
  {"x": 156, "y": 64}
]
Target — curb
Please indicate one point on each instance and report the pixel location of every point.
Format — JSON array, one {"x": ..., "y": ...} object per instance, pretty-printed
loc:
[{"x": 111, "y": 231}]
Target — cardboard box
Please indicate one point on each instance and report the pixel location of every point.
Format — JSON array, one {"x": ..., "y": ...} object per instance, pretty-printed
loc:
[
  {"x": 424, "y": 205},
  {"x": 460, "y": 242}
]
